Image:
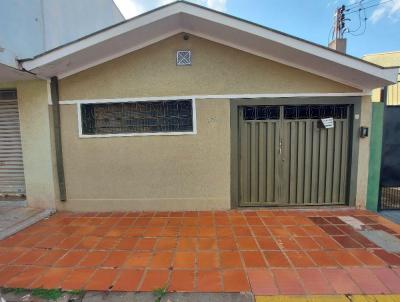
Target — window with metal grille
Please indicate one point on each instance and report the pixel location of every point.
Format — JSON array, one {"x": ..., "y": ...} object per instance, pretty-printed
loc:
[{"x": 137, "y": 117}]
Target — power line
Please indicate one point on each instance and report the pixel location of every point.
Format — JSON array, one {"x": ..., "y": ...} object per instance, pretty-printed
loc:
[{"x": 377, "y": 4}]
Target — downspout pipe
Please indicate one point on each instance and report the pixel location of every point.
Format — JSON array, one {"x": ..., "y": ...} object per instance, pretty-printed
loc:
[{"x": 55, "y": 100}]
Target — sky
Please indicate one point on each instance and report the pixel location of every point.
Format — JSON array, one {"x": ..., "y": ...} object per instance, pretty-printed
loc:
[{"x": 308, "y": 19}]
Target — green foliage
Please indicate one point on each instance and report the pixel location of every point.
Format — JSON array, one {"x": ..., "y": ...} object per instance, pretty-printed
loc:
[
  {"x": 159, "y": 293},
  {"x": 49, "y": 294}
]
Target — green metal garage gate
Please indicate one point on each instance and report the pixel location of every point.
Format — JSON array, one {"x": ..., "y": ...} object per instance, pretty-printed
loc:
[{"x": 288, "y": 157}]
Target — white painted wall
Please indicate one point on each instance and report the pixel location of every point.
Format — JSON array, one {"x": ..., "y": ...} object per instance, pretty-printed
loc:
[{"x": 30, "y": 27}]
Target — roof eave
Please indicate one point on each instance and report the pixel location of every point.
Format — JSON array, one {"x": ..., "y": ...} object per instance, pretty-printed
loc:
[{"x": 377, "y": 76}]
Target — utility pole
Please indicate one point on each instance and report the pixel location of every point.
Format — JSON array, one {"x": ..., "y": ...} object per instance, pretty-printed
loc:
[
  {"x": 339, "y": 23},
  {"x": 338, "y": 42}
]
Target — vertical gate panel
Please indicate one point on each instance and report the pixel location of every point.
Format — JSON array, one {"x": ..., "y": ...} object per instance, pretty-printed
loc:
[
  {"x": 272, "y": 142},
  {"x": 254, "y": 161},
  {"x": 244, "y": 140},
  {"x": 263, "y": 163},
  {"x": 300, "y": 162},
  {"x": 308, "y": 145},
  {"x": 322, "y": 166},
  {"x": 336, "y": 160},
  {"x": 314, "y": 162},
  {"x": 329, "y": 165},
  {"x": 344, "y": 162}
]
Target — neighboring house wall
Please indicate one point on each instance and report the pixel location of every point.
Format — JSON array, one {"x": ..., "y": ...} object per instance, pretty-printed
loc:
[
  {"x": 34, "y": 26},
  {"x": 37, "y": 142},
  {"x": 390, "y": 59},
  {"x": 174, "y": 172}
]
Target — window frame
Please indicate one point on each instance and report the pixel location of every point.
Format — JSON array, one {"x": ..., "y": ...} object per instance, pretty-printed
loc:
[{"x": 174, "y": 133}]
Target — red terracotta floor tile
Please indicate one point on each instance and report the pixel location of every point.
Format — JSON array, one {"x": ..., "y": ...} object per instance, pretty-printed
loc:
[
  {"x": 288, "y": 282},
  {"x": 267, "y": 243},
  {"x": 389, "y": 258},
  {"x": 262, "y": 282},
  {"x": 115, "y": 259},
  {"x": 10, "y": 254},
  {"x": 367, "y": 281},
  {"x": 161, "y": 260},
  {"x": 138, "y": 259},
  {"x": 102, "y": 280},
  {"x": 344, "y": 258},
  {"x": 128, "y": 280},
  {"x": 327, "y": 243},
  {"x": 9, "y": 272},
  {"x": 107, "y": 243},
  {"x": 388, "y": 277},
  {"x": 314, "y": 282},
  {"x": 253, "y": 259},
  {"x": 347, "y": 242},
  {"x": 166, "y": 244},
  {"x": 340, "y": 280},
  {"x": 30, "y": 257},
  {"x": 299, "y": 259},
  {"x": 187, "y": 244},
  {"x": 70, "y": 259},
  {"x": 50, "y": 257},
  {"x": 224, "y": 232},
  {"x": 69, "y": 242},
  {"x": 25, "y": 278},
  {"x": 279, "y": 231},
  {"x": 235, "y": 281},
  {"x": 207, "y": 260},
  {"x": 322, "y": 259},
  {"x": 184, "y": 260},
  {"x": 209, "y": 281},
  {"x": 207, "y": 232},
  {"x": 226, "y": 244},
  {"x": 207, "y": 244},
  {"x": 94, "y": 258},
  {"x": 307, "y": 243},
  {"x": 77, "y": 279},
  {"x": 367, "y": 258},
  {"x": 230, "y": 259},
  {"x": 52, "y": 278},
  {"x": 259, "y": 230},
  {"x": 145, "y": 244},
  {"x": 88, "y": 242},
  {"x": 276, "y": 259},
  {"x": 287, "y": 244},
  {"x": 246, "y": 243},
  {"x": 127, "y": 243},
  {"x": 182, "y": 281},
  {"x": 154, "y": 279}
]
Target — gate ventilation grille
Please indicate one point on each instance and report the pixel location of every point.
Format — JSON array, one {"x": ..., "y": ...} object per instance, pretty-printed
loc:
[
  {"x": 303, "y": 112},
  {"x": 261, "y": 113}
]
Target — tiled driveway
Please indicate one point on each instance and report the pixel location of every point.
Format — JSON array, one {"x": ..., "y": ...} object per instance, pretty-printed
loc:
[{"x": 267, "y": 252}]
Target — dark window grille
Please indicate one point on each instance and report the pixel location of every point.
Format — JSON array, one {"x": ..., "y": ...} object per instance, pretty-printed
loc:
[
  {"x": 261, "y": 113},
  {"x": 390, "y": 198},
  {"x": 137, "y": 117},
  {"x": 315, "y": 112}
]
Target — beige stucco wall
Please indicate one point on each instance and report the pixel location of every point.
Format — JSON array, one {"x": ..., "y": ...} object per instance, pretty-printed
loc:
[
  {"x": 35, "y": 125},
  {"x": 182, "y": 172},
  {"x": 363, "y": 153},
  {"x": 167, "y": 172}
]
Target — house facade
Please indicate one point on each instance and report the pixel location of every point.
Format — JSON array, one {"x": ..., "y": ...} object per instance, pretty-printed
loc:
[{"x": 185, "y": 108}]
